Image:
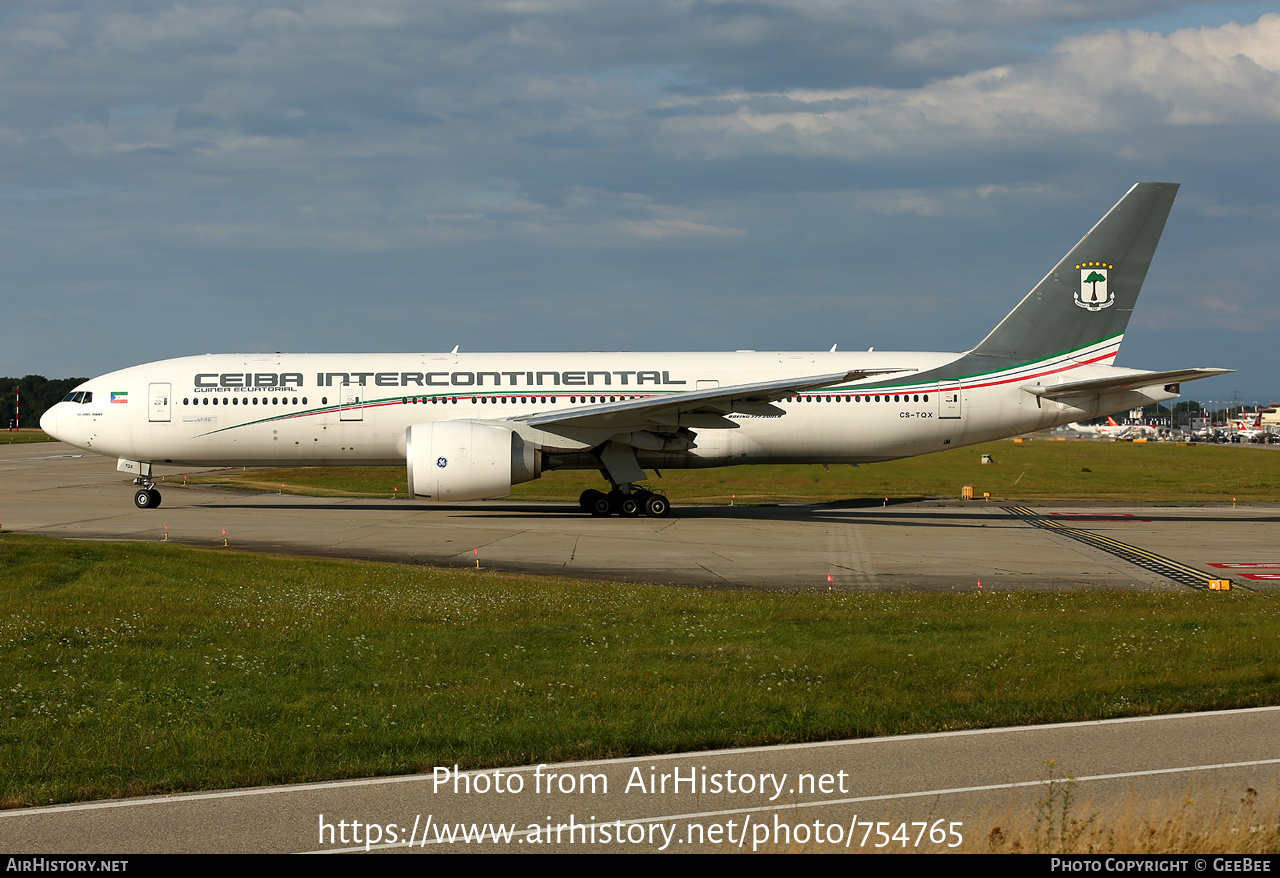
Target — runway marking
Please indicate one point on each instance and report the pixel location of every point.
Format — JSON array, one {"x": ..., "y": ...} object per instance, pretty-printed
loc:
[
  {"x": 855, "y": 800},
  {"x": 11, "y": 461},
  {"x": 848, "y": 553},
  {"x": 1265, "y": 565},
  {"x": 1158, "y": 564}
]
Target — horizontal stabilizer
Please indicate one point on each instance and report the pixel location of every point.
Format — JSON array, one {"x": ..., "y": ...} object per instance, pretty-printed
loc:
[{"x": 1132, "y": 381}]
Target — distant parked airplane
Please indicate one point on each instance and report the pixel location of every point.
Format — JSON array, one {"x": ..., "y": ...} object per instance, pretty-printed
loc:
[{"x": 1109, "y": 430}]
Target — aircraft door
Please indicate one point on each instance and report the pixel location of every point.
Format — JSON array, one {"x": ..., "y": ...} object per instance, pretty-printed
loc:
[
  {"x": 158, "y": 407},
  {"x": 350, "y": 402},
  {"x": 949, "y": 402}
]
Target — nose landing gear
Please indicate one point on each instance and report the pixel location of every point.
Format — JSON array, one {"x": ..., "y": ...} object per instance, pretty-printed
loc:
[{"x": 148, "y": 497}]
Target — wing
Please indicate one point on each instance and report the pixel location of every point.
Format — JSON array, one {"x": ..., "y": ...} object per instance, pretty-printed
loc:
[
  {"x": 1132, "y": 381},
  {"x": 704, "y": 409}
]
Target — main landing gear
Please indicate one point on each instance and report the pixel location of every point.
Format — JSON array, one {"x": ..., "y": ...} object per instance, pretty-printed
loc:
[
  {"x": 628, "y": 505},
  {"x": 147, "y": 497},
  {"x": 620, "y": 468}
]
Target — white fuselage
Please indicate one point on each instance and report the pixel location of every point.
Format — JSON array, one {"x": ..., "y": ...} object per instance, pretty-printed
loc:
[{"x": 353, "y": 409}]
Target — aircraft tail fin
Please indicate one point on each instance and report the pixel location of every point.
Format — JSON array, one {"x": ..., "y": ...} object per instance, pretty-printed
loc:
[{"x": 1089, "y": 295}]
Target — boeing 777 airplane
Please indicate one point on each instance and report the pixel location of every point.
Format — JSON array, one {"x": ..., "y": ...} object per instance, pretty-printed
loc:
[{"x": 469, "y": 426}]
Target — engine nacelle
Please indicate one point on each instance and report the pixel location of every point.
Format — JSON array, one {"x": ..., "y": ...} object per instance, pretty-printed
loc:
[{"x": 467, "y": 460}]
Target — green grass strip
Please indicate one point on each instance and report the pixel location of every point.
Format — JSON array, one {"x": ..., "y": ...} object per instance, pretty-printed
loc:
[
  {"x": 23, "y": 437},
  {"x": 132, "y": 668}
]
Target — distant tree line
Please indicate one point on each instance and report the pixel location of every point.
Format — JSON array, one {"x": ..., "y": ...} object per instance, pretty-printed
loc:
[{"x": 37, "y": 392}]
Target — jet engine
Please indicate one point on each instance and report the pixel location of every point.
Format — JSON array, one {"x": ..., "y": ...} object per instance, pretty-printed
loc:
[{"x": 467, "y": 460}]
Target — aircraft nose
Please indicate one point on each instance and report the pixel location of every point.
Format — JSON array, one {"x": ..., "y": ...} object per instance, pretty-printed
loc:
[{"x": 49, "y": 421}]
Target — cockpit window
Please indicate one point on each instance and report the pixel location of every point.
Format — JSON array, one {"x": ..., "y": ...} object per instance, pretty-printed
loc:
[{"x": 79, "y": 396}]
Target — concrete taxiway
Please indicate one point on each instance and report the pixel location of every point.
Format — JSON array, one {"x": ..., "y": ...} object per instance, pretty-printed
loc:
[{"x": 53, "y": 489}]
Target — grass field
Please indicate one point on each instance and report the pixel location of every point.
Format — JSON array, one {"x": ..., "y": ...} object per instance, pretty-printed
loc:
[
  {"x": 19, "y": 437},
  {"x": 133, "y": 668},
  {"x": 1030, "y": 470}
]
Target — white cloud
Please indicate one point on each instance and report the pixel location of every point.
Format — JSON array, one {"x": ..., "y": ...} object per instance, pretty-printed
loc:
[{"x": 1095, "y": 89}]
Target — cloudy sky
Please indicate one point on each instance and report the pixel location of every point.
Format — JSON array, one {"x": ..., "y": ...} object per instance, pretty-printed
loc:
[{"x": 226, "y": 175}]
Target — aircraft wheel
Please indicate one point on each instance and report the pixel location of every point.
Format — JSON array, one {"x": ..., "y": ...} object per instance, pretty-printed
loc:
[
  {"x": 147, "y": 498},
  {"x": 588, "y": 499},
  {"x": 657, "y": 506},
  {"x": 601, "y": 507},
  {"x": 629, "y": 506}
]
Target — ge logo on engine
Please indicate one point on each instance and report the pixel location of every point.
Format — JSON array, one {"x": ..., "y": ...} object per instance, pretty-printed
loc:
[{"x": 442, "y": 462}]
